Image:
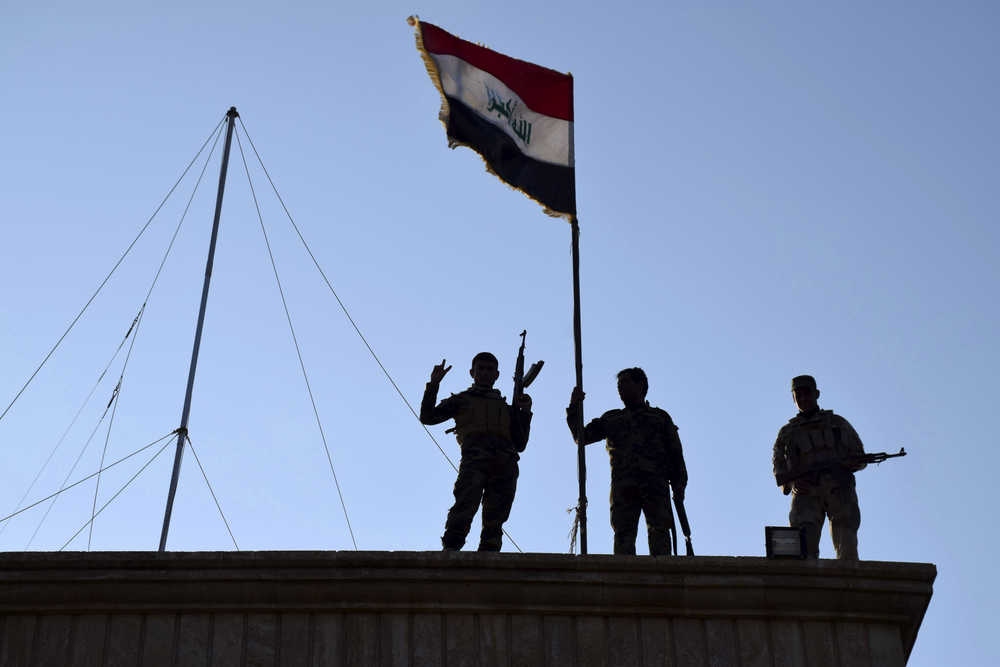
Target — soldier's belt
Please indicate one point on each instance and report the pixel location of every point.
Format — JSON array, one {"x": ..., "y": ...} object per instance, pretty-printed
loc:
[{"x": 487, "y": 437}]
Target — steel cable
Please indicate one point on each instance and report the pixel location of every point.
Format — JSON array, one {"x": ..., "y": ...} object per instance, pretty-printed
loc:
[
  {"x": 108, "y": 277},
  {"x": 295, "y": 340},
  {"x": 65, "y": 488},
  {"x": 212, "y": 491},
  {"x": 73, "y": 421},
  {"x": 118, "y": 493},
  {"x": 79, "y": 457},
  {"x": 354, "y": 324},
  {"x": 138, "y": 323}
]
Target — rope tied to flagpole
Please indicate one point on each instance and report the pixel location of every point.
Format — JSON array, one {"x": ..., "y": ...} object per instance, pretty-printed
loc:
[{"x": 574, "y": 530}]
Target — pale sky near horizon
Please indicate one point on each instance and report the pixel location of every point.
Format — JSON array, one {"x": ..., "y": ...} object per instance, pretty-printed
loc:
[{"x": 763, "y": 191}]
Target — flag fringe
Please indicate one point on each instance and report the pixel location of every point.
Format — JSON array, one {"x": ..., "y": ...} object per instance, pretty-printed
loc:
[
  {"x": 445, "y": 113},
  {"x": 432, "y": 72}
]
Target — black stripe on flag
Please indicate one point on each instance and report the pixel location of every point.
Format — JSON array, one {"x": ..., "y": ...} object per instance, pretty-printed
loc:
[{"x": 552, "y": 185}]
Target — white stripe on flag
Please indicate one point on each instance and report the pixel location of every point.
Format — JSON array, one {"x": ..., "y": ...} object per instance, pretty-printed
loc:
[{"x": 538, "y": 136}]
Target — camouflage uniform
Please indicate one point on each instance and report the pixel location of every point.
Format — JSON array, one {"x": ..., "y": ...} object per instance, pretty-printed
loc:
[
  {"x": 816, "y": 448},
  {"x": 645, "y": 454},
  {"x": 490, "y": 433}
]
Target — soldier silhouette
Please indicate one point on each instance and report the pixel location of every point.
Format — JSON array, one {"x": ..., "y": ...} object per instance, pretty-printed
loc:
[
  {"x": 646, "y": 456},
  {"x": 491, "y": 434},
  {"x": 817, "y": 451}
]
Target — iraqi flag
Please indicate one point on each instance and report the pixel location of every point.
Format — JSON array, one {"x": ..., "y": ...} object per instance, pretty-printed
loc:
[{"x": 517, "y": 115}]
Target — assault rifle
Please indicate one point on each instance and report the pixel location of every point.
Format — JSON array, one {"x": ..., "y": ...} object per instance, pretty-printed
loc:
[
  {"x": 682, "y": 518},
  {"x": 853, "y": 461},
  {"x": 521, "y": 379}
]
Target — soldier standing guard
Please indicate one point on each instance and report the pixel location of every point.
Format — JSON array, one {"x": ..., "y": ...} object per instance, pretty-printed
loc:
[
  {"x": 818, "y": 453},
  {"x": 646, "y": 455},
  {"x": 491, "y": 433}
]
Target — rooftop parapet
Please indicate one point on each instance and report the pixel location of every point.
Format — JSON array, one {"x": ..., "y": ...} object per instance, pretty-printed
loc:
[{"x": 432, "y": 608}]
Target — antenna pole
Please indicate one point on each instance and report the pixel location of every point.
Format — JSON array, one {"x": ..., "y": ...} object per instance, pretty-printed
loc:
[{"x": 231, "y": 116}]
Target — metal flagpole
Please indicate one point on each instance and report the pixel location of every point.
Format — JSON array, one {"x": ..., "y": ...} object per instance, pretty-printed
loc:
[
  {"x": 231, "y": 115},
  {"x": 581, "y": 459}
]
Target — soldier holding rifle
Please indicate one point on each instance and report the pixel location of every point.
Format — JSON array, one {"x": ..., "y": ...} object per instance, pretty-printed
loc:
[
  {"x": 815, "y": 457},
  {"x": 491, "y": 434}
]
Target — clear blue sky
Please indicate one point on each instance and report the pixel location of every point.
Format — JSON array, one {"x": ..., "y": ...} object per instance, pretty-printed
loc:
[{"x": 763, "y": 191}]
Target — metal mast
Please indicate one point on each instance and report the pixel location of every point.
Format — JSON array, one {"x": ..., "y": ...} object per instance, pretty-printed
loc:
[
  {"x": 581, "y": 458},
  {"x": 231, "y": 116}
]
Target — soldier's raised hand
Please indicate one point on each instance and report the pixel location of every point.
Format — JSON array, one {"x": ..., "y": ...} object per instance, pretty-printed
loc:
[
  {"x": 577, "y": 397},
  {"x": 524, "y": 403},
  {"x": 438, "y": 372}
]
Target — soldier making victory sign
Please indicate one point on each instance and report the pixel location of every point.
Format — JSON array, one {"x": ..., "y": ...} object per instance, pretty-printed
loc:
[
  {"x": 646, "y": 455},
  {"x": 491, "y": 434}
]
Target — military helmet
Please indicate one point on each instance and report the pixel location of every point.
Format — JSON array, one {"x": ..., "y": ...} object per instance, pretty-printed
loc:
[{"x": 803, "y": 381}]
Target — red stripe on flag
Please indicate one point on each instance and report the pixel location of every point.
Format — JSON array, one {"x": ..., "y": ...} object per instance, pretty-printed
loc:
[{"x": 544, "y": 90}]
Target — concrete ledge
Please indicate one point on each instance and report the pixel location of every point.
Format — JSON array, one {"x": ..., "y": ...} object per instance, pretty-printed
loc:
[{"x": 705, "y": 590}]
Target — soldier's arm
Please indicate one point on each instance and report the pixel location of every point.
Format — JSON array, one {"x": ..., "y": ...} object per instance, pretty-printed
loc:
[
  {"x": 520, "y": 426},
  {"x": 678, "y": 469},
  {"x": 592, "y": 432},
  {"x": 853, "y": 441},
  {"x": 595, "y": 431},
  {"x": 779, "y": 465},
  {"x": 430, "y": 413}
]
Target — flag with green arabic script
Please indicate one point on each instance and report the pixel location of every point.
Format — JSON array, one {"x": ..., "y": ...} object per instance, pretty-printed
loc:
[{"x": 517, "y": 115}]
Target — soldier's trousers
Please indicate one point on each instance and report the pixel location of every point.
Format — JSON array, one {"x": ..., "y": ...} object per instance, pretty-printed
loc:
[
  {"x": 834, "y": 497},
  {"x": 649, "y": 495},
  {"x": 492, "y": 481}
]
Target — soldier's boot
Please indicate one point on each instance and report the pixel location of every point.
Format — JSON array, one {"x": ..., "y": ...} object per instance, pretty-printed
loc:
[
  {"x": 846, "y": 543},
  {"x": 498, "y": 497},
  {"x": 844, "y": 532},
  {"x": 624, "y": 520},
  {"x": 807, "y": 513},
  {"x": 452, "y": 540},
  {"x": 659, "y": 541},
  {"x": 491, "y": 537},
  {"x": 468, "y": 492},
  {"x": 625, "y": 544},
  {"x": 845, "y": 519},
  {"x": 456, "y": 526},
  {"x": 813, "y": 532}
]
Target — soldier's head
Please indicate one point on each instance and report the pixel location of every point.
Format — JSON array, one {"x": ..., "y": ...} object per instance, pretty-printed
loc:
[
  {"x": 485, "y": 369},
  {"x": 804, "y": 393},
  {"x": 632, "y": 386}
]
